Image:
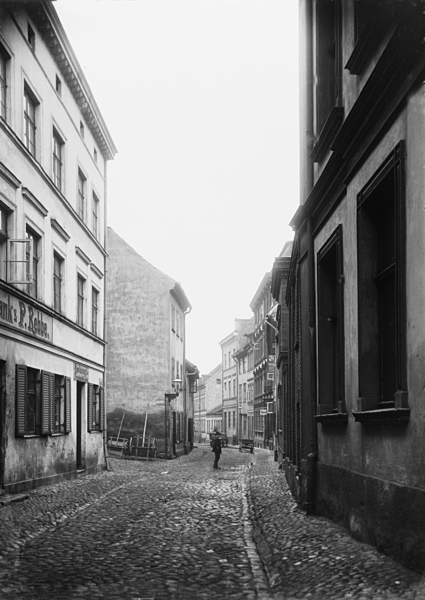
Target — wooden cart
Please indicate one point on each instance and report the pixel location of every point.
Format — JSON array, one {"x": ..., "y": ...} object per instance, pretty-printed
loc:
[{"x": 246, "y": 444}]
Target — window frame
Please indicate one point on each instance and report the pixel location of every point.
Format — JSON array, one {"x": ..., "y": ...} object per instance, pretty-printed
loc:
[
  {"x": 81, "y": 194},
  {"x": 371, "y": 406},
  {"x": 95, "y": 215},
  {"x": 30, "y": 120},
  {"x": 34, "y": 256},
  {"x": 57, "y": 159},
  {"x": 330, "y": 331},
  {"x": 80, "y": 299},
  {"x": 95, "y": 408},
  {"x": 58, "y": 277},
  {"x": 44, "y": 403},
  {"x": 95, "y": 294},
  {"x": 4, "y": 78}
]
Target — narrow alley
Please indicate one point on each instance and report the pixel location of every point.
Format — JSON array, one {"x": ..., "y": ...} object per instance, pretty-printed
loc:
[{"x": 181, "y": 530}]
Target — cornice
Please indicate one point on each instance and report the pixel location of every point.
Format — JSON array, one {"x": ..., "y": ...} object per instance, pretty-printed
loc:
[
  {"x": 82, "y": 255},
  {"x": 97, "y": 271},
  {"x": 35, "y": 203},
  {"x": 9, "y": 176},
  {"x": 59, "y": 230},
  {"x": 55, "y": 38}
]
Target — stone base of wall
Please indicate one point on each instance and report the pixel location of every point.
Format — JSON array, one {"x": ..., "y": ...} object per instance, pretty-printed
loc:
[
  {"x": 375, "y": 511},
  {"x": 32, "y": 484},
  {"x": 292, "y": 477}
]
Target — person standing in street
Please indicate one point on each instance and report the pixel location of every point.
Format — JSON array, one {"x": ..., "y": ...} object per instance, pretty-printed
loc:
[{"x": 216, "y": 448}]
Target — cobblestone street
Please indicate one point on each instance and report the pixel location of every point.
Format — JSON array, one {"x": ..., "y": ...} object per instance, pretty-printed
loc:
[{"x": 181, "y": 530}]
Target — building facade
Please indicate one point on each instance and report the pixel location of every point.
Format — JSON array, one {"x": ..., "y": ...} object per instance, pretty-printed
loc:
[
  {"x": 264, "y": 366},
  {"x": 54, "y": 148},
  {"x": 207, "y": 397},
  {"x": 285, "y": 416},
  {"x": 245, "y": 381},
  {"x": 356, "y": 284},
  {"x": 146, "y": 350}
]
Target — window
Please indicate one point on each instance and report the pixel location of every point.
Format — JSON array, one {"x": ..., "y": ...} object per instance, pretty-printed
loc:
[
  {"x": 59, "y": 404},
  {"x": 43, "y": 402},
  {"x": 95, "y": 216},
  {"x": 82, "y": 129},
  {"x": 329, "y": 59},
  {"x": 31, "y": 36},
  {"x": 173, "y": 317},
  {"x": 80, "y": 301},
  {"x": 381, "y": 290},
  {"x": 57, "y": 281},
  {"x": 331, "y": 325},
  {"x": 94, "y": 310},
  {"x": 234, "y": 419},
  {"x": 173, "y": 371},
  {"x": 29, "y": 120},
  {"x": 96, "y": 408},
  {"x": 95, "y": 155},
  {"x": 57, "y": 160},
  {"x": 81, "y": 200},
  {"x": 32, "y": 287},
  {"x": 4, "y": 58},
  {"x": 58, "y": 86},
  {"x": 3, "y": 242}
]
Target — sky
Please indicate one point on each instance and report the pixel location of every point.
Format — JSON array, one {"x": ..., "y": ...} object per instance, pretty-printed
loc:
[{"x": 201, "y": 100}]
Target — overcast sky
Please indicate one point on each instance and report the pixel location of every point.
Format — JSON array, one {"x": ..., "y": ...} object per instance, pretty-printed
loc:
[{"x": 201, "y": 100}]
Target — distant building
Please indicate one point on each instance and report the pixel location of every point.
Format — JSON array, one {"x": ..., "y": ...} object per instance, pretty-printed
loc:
[
  {"x": 214, "y": 420},
  {"x": 146, "y": 356},
  {"x": 206, "y": 398},
  {"x": 285, "y": 417},
  {"x": 264, "y": 366},
  {"x": 54, "y": 148},
  {"x": 229, "y": 345},
  {"x": 244, "y": 358}
]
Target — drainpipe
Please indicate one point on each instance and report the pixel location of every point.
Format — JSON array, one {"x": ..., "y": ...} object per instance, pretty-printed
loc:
[
  {"x": 105, "y": 270},
  {"x": 313, "y": 456},
  {"x": 185, "y": 422}
]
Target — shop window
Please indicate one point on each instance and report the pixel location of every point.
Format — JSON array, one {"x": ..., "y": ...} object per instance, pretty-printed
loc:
[
  {"x": 330, "y": 284},
  {"x": 43, "y": 402},
  {"x": 381, "y": 293},
  {"x": 96, "y": 408}
]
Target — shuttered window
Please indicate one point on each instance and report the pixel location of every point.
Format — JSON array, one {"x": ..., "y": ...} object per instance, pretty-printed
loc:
[
  {"x": 43, "y": 402},
  {"x": 96, "y": 408}
]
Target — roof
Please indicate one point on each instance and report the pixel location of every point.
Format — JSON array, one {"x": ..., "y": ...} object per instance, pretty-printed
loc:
[{"x": 215, "y": 411}]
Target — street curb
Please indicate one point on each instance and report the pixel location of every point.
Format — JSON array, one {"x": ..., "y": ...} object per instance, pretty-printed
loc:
[{"x": 257, "y": 547}]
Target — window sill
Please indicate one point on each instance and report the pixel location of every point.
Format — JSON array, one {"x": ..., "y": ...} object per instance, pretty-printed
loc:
[
  {"x": 31, "y": 435},
  {"x": 382, "y": 416},
  {"x": 332, "y": 419},
  {"x": 58, "y": 434},
  {"x": 328, "y": 134}
]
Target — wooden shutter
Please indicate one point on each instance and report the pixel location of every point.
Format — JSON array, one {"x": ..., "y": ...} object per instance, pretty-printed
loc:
[
  {"x": 90, "y": 408},
  {"x": 21, "y": 398},
  {"x": 102, "y": 408},
  {"x": 46, "y": 402},
  {"x": 67, "y": 404}
]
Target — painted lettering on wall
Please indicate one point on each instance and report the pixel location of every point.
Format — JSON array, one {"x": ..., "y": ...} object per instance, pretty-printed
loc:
[{"x": 22, "y": 315}]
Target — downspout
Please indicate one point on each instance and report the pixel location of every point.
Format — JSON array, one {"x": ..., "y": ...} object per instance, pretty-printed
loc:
[
  {"x": 105, "y": 273},
  {"x": 185, "y": 422},
  {"x": 307, "y": 183}
]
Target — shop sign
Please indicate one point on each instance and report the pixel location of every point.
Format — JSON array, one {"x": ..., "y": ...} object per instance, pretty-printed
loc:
[
  {"x": 25, "y": 317},
  {"x": 263, "y": 412},
  {"x": 81, "y": 372}
]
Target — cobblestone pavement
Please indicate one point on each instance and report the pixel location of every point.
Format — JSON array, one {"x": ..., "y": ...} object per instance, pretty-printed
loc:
[{"x": 180, "y": 530}]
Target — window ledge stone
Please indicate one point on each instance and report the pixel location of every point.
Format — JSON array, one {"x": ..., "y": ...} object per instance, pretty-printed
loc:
[
  {"x": 328, "y": 133},
  {"x": 382, "y": 416},
  {"x": 332, "y": 418}
]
